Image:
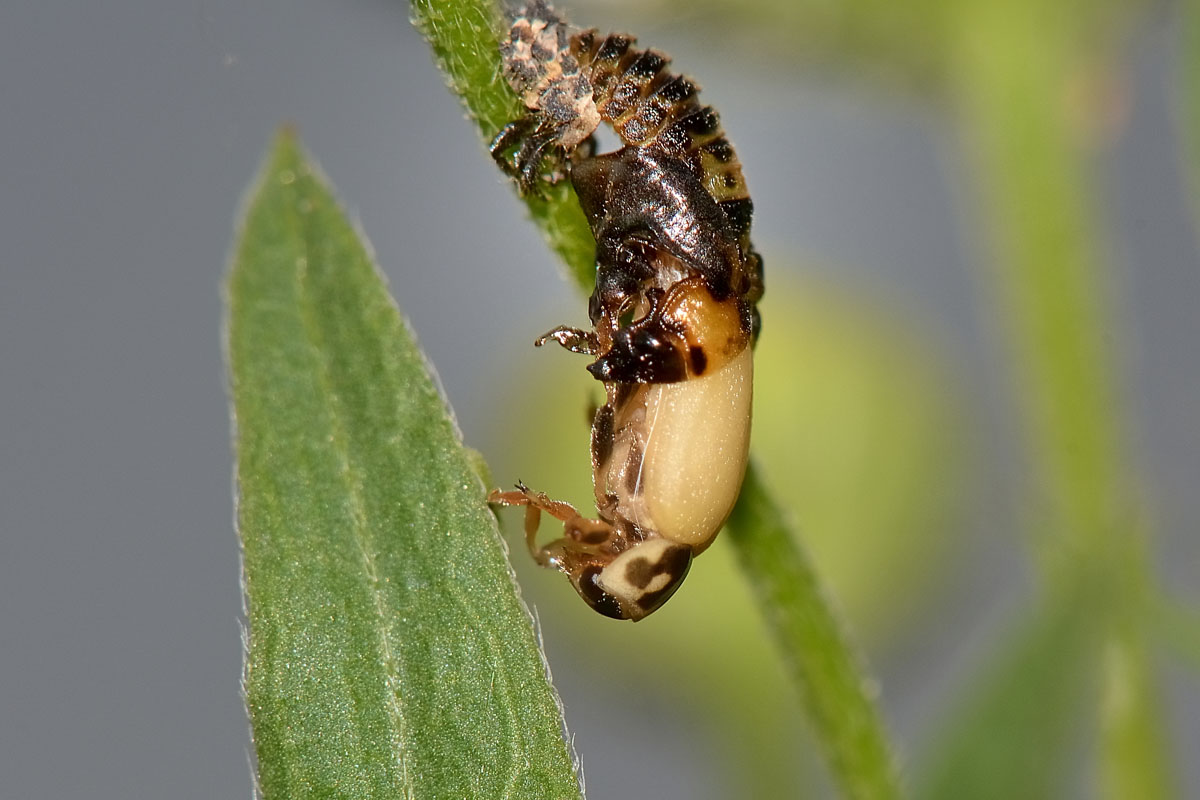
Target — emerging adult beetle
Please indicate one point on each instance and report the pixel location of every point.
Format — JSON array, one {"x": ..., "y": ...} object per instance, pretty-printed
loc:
[{"x": 673, "y": 313}]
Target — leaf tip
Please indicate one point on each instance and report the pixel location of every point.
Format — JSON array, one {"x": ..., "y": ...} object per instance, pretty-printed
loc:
[{"x": 286, "y": 157}]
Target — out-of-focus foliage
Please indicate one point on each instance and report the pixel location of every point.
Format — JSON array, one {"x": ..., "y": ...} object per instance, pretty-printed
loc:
[
  {"x": 1017, "y": 72},
  {"x": 1014, "y": 734},
  {"x": 892, "y": 45}
]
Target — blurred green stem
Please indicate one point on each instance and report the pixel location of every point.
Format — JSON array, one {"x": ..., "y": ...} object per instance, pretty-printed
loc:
[
  {"x": 1020, "y": 66},
  {"x": 1015, "y": 69},
  {"x": 464, "y": 37}
]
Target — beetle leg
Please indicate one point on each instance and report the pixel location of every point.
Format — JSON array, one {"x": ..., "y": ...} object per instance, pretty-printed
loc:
[
  {"x": 534, "y": 136},
  {"x": 644, "y": 352},
  {"x": 507, "y": 138},
  {"x": 535, "y": 503},
  {"x": 524, "y": 496},
  {"x": 581, "y": 536},
  {"x": 574, "y": 339},
  {"x": 529, "y": 158}
]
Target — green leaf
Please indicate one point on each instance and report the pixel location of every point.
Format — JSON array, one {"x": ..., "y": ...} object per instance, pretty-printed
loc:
[{"x": 388, "y": 652}]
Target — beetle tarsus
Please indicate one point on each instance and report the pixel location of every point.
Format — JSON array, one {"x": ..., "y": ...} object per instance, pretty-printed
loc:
[
  {"x": 582, "y": 537},
  {"x": 535, "y": 137},
  {"x": 574, "y": 339}
]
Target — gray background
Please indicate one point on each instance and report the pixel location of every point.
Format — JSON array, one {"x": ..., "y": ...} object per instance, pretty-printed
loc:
[{"x": 128, "y": 131}]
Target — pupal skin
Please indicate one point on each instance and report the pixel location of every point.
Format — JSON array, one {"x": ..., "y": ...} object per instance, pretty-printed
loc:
[{"x": 673, "y": 315}]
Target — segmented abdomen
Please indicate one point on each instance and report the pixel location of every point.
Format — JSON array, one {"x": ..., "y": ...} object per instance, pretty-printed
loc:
[{"x": 650, "y": 107}]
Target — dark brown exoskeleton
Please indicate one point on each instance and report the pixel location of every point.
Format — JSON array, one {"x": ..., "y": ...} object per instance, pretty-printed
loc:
[{"x": 673, "y": 312}]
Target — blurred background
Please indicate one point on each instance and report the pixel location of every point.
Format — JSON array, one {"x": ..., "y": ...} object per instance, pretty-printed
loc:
[{"x": 884, "y": 152}]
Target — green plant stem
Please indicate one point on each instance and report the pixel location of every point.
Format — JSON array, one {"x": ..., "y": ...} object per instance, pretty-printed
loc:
[
  {"x": 1017, "y": 63},
  {"x": 818, "y": 654},
  {"x": 464, "y": 36},
  {"x": 824, "y": 665}
]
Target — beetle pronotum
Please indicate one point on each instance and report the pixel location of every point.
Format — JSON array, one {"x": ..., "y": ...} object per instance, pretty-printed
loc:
[{"x": 673, "y": 313}]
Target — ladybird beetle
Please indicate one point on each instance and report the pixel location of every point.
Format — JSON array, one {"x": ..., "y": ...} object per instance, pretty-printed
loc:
[{"x": 673, "y": 314}]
